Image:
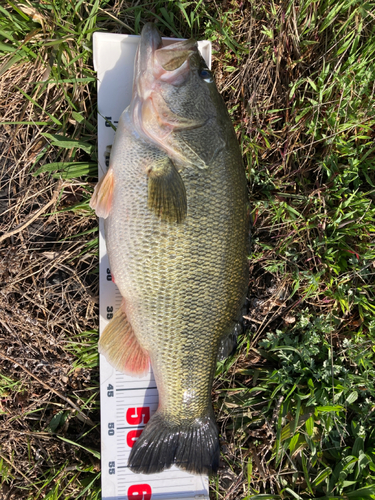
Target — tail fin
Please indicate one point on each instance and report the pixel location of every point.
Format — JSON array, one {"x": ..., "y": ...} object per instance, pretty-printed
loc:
[{"x": 193, "y": 447}]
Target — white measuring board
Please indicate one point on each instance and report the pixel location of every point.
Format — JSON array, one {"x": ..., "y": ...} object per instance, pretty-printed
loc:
[{"x": 126, "y": 402}]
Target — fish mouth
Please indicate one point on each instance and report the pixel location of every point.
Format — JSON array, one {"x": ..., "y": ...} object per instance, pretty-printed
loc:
[
  {"x": 169, "y": 56},
  {"x": 172, "y": 62},
  {"x": 156, "y": 61},
  {"x": 158, "y": 69},
  {"x": 150, "y": 42}
]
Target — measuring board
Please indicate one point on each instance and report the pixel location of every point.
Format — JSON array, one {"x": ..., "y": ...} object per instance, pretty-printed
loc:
[{"x": 127, "y": 403}]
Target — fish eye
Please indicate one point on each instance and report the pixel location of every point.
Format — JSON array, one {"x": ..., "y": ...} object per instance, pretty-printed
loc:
[{"x": 206, "y": 75}]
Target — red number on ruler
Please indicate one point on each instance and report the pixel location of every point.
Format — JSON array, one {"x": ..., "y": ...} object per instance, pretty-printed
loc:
[
  {"x": 132, "y": 437},
  {"x": 134, "y": 416},
  {"x": 139, "y": 492}
]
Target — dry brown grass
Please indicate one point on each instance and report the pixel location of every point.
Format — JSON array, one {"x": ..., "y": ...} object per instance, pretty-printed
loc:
[{"x": 48, "y": 294}]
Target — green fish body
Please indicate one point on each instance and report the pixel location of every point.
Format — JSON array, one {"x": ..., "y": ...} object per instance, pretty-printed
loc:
[{"x": 176, "y": 222}]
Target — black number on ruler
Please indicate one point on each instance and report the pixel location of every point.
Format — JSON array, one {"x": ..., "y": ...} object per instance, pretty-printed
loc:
[
  {"x": 111, "y": 467},
  {"x": 110, "y": 392},
  {"x": 109, "y": 276},
  {"x": 111, "y": 429},
  {"x": 109, "y": 312},
  {"x": 108, "y": 120}
]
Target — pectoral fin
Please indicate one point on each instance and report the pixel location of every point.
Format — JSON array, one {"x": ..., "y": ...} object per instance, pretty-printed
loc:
[
  {"x": 120, "y": 346},
  {"x": 166, "y": 191},
  {"x": 101, "y": 200}
]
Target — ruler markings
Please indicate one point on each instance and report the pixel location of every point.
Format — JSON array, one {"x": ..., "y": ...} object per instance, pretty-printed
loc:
[
  {"x": 124, "y": 401},
  {"x": 147, "y": 379},
  {"x": 131, "y": 427},
  {"x": 136, "y": 381},
  {"x": 128, "y": 399},
  {"x": 136, "y": 389},
  {"x": 153, "y": 406}
]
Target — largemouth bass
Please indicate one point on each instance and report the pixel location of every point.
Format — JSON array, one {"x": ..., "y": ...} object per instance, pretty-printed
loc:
[{"x": 176, "y": 222}]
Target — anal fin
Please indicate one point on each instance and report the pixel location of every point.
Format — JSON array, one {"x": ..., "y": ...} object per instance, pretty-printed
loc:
[{"x": 120, "y": 346}]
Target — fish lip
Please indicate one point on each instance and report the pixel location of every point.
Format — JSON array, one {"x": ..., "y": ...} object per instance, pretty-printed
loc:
[
  {"x": 151, "y": 48},
  {"x": 144, "y": 60},
  {"x": 150, "y": 42},
  {"x": 158, "y": 66}
]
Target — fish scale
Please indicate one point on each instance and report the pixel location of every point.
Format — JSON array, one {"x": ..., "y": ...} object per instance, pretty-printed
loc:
[
  {"x": 203, "y": 287},
  {"x": 182, "y": 275}
]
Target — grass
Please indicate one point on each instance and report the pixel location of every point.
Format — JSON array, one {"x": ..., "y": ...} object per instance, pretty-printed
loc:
[{"x": 295, "y": 403}]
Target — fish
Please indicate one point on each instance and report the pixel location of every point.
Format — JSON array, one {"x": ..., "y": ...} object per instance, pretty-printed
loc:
[{"x": 176, "y": 212}]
